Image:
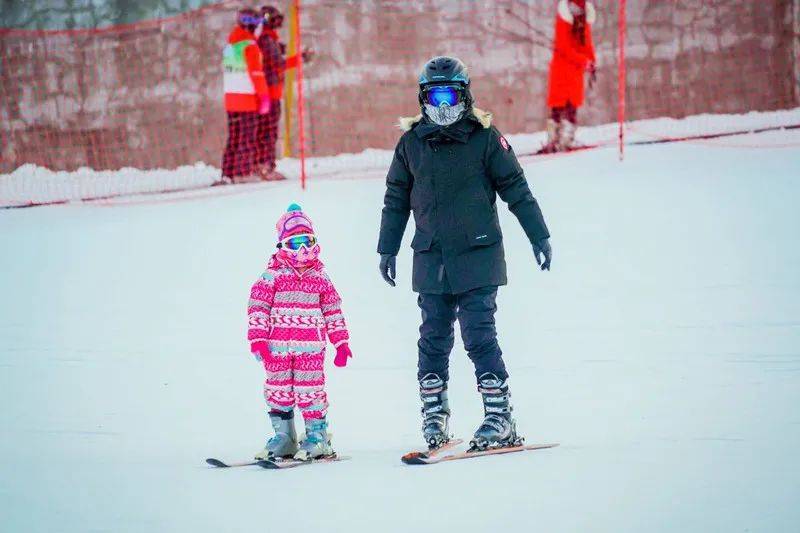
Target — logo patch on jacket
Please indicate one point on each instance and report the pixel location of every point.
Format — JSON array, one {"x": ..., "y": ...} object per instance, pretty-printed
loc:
[{"x": 504, "y": 143}]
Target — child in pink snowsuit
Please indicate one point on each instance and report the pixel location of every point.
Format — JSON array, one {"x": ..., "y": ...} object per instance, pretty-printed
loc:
[{"x": 293, "y": 310}]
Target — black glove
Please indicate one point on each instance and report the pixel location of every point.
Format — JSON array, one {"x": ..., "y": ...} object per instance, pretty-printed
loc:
[
  {"x": 387, "y": 268},
  {"x": 543, "y": 247},
  {"x": 592, "y": 75}
]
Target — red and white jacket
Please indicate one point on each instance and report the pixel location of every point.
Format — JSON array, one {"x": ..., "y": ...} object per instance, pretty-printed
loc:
[
  {"x": 244, "y": 72},
  {"x": 570, "y": 58}
]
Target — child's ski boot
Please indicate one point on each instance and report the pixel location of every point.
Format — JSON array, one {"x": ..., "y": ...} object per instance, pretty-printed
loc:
[
  {"x": 284, "y": 443},
  {"x": 498, "y": 429},
  {"x": 317, "y": 442},
  {"x": 435, "y": 410}
]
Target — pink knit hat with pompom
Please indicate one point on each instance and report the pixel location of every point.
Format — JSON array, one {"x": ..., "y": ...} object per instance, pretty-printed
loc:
[{"x": 293, "y": 222}]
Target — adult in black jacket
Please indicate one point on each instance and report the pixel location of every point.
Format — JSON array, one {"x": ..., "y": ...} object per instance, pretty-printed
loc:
[{"x": 448, "y": 168}]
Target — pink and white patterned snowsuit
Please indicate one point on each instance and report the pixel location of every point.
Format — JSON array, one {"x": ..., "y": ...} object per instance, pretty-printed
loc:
[{"x": 293, "y": 312}]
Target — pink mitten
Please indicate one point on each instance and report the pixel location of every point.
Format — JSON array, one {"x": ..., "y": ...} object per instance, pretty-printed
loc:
[
  {"x": 260, "y": 349},
  {"x": 265, "y": 106},
  {"x": 342, "y": 353}
]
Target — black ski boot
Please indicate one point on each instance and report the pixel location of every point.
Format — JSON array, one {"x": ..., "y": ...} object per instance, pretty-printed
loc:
[
  {"x": 435, "y": 410},
  {"x": 498, "y": 429}
]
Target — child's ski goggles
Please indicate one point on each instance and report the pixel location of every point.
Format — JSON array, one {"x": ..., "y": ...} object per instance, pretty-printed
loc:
[
  {"x": 439, "y": 95},
  {"x": 295, "y": 242}
]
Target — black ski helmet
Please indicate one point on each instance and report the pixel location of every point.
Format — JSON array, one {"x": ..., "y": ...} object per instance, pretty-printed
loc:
[
  {"x": 273, "y": 18},
  {"x": 444, "y": 70}
]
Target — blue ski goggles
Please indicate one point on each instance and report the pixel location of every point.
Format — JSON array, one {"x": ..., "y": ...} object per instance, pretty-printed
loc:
[
  {"x": 439, "y": 95},
  {"x": 249, "y": 20}
]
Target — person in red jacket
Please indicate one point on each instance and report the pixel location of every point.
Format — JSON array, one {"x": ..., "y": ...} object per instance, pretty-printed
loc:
[
  {"x": 275, "y": 67},
  {"x": 573, "y": 54},
  {"x": 246, "y": 97}
]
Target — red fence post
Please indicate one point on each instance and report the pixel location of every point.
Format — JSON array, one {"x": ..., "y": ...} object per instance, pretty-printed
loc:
[{"x": 621, "y": 80}]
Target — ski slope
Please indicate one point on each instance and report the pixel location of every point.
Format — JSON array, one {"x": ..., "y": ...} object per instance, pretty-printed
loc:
[{"x": 662, "y": 351}]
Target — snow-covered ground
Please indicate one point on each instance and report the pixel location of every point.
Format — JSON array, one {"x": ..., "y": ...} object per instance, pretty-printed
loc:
[
  {"x": 33, "y": 185},
  {"x": 662, "y": 352}
]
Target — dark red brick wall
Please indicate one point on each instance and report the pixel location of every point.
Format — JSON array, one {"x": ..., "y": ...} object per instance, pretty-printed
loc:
[{"x": 150, "y": 94}]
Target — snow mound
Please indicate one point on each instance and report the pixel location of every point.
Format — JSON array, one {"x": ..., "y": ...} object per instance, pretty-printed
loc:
[{"x": 33, "y": 185}]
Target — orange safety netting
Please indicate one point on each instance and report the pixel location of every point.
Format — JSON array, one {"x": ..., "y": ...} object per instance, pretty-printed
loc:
[{"x": 150, "y": 95}]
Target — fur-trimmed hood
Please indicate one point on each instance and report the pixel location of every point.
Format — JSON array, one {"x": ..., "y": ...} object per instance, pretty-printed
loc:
[
  {"x": 566, "y": 14},
  {"x": 484, "y": 117}
]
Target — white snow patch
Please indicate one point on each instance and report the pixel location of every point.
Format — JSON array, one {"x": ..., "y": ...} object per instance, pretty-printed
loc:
[{"x": 30, "y": 184}]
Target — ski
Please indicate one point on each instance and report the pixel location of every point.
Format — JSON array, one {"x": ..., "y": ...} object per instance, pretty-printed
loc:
[
  {"x": 280, "y": 464},
  {"x": 222, "y": 464},
  {"x": 544, "y": 151},
  {"x": 430, "y": 453},
  {"x": 427, "y": 460}
]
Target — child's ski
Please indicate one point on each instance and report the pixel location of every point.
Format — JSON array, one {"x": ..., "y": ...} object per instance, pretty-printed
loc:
[
  {"x": 424, "y": 459},
  {"x": 280, "y": 464},
  {"x": 222, "y": 464},
  {"x": 273, "y": 464},
  {"x": 430, "y": 453}
]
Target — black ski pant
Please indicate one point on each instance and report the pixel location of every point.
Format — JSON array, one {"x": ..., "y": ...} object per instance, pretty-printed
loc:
[
  {"x": 568, "y": 112},
  {"x": 475, "y": 311}
]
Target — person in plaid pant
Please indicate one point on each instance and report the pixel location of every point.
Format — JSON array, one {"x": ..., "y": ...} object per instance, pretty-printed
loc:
[
  {"x": 275, "y": 67},
  {"x": 246, "y": 97}
]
